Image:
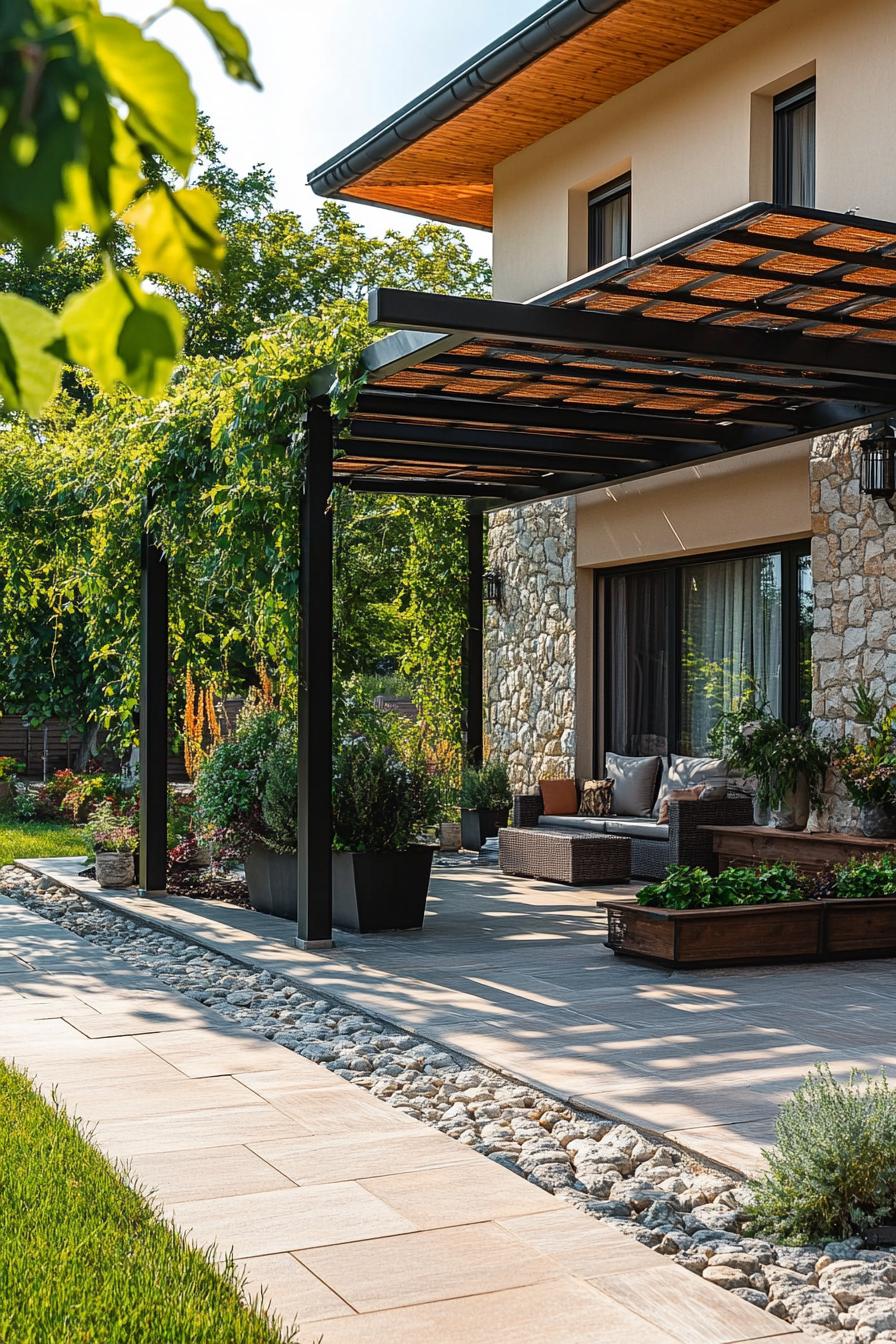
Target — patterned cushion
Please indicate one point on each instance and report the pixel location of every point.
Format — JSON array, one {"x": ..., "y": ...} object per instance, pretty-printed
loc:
[{"x": 597, "y": 798}]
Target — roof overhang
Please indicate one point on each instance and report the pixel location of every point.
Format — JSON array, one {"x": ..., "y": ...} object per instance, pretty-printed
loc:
[
  {"x": 436, "y": 156},
  {"x": 766, "y": 326}
]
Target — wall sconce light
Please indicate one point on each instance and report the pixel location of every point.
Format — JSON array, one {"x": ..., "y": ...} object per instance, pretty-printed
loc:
[
  {"x": 878, "y": 466},
  {"x": 493, "y": 583}
]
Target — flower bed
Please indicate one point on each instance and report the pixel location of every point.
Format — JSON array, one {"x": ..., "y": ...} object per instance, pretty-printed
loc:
[{"x": 754, "y": 915}]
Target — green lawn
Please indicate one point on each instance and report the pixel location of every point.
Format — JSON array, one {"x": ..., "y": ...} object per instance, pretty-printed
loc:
[
  {"x": 38, "y": 840},
  {"x": 84, "y": 1259}
]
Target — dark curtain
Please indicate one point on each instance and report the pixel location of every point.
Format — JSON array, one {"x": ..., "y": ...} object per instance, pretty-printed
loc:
[{"x": 640, "y": 659}]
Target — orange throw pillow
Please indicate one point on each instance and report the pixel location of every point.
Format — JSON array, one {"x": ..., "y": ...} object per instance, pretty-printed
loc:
[
  {"x": 559, "y": 796},
  {"x": 675, "y": 795}
]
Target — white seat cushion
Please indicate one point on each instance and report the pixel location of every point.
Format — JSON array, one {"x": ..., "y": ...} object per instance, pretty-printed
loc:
[{"x": 596, "y": 825}]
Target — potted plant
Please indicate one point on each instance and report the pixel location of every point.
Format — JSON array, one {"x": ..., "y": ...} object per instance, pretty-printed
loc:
[
  {"x": 112, "y": 838},
  {"x": 380, "y": 805},
  {"x": 485, "y": 802},
  {"x": 868, "y": 768},
  {"x": 788, "y": 763},
  {"x": 9, "y": 768},
  {"x": 246, "y": 793}
]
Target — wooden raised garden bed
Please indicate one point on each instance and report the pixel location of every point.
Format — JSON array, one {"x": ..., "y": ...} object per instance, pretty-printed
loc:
[{"x": 745, "y": 935}]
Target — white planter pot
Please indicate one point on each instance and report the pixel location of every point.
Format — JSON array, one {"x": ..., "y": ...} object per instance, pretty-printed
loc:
[{"x": 115, "y": 870}]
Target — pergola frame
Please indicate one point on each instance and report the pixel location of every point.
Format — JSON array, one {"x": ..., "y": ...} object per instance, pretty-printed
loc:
[{"x": 503, "y": 403}]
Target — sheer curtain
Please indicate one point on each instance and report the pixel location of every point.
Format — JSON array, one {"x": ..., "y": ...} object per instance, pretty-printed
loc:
[
  {"x": 731, "y": 635},
  {"x": 612, "y": 229},
  {"x": 795, "y": 150}
]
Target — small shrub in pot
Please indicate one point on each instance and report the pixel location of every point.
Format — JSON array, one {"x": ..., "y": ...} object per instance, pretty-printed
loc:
[
  {"x": 113, "y": 838},
  {"x": 380, "y": 805}
]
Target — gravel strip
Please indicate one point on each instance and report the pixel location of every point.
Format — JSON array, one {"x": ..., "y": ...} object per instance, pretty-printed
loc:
[{"x": 649, "y": 1190}]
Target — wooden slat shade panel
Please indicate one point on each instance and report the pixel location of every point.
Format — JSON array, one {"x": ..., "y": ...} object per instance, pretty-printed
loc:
[{"x": 536, "y": 413}]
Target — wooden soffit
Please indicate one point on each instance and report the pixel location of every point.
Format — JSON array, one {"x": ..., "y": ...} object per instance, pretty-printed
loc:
[{"x": 445, "y": 170}]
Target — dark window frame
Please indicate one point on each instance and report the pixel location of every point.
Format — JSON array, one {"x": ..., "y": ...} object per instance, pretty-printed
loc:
[
  {"x": 601, "y": 196},
  {"x": 791, "y": 552},
  {"x": 789, "y": 101}
]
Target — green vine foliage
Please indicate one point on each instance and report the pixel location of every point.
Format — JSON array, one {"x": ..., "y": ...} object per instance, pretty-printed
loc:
[{"x": 223, "y": 451}]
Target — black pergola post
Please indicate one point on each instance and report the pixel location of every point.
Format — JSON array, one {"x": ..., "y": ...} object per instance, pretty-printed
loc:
[
  {"x": 315, "y": 905},
  {"x": 153, "y": 724},
  {"x": 473, "y": 640}
]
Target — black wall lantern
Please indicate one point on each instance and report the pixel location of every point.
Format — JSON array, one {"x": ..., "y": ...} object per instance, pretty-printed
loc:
[
  {"x": 878, "y": 467},
  {"x": 493, "y": 583}
]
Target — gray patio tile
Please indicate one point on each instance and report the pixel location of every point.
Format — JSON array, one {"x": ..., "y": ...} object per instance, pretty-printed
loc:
[{"x": 737, "y": 1144}]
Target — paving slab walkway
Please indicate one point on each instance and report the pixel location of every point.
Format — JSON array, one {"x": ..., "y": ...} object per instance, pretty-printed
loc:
[
  {"x": 359, "y": 1221},
  {"x": 515, "y": 974}
]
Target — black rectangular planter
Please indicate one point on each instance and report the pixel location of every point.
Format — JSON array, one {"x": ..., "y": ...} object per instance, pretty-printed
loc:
[
  {"x": 478, "y": 824},
  {"x": 273, "y": 882},
  {"x": 381, "y": 891}
]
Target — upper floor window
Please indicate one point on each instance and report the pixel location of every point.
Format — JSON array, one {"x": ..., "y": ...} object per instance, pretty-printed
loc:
[
  {"x": 794, "y": 172},
  {"x": 609, "y": 222}
]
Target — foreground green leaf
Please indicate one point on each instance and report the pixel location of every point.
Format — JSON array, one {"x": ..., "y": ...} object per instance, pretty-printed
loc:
[
  {"x": 154, "y": 85},
  {"x": 229, "y": 40},
  {"x": 29, "y": 373},
  {"x": 123, "y": 334},
  {"x": 176, "y": 231}
]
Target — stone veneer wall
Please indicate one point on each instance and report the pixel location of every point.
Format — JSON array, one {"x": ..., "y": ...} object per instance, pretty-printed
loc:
[
  {"x": 530, "y": 653},
  {"x": 854, "y": 574}
]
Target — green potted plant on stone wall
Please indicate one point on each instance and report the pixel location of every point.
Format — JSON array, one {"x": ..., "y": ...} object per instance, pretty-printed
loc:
[
  {"x": 788, "y": 762},
  {"x": 381, "y": 803},
  {"x": 868, "y": 769},
  {"x": 485, "y": 802}
]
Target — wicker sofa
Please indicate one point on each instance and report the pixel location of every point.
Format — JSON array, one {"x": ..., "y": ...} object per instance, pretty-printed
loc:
[{"x": 654, "y": 846}]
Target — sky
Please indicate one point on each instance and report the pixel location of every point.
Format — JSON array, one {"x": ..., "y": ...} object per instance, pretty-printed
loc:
[{"x": 331, "y": 69}]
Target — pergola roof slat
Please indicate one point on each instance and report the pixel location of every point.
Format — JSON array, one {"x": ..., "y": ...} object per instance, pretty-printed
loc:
[{"x": 768, "y": 325}]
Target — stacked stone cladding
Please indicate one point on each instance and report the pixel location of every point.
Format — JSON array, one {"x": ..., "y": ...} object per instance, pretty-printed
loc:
[
  {"x": 530, "y": 662},
  {"x": 854, "y": 578}
]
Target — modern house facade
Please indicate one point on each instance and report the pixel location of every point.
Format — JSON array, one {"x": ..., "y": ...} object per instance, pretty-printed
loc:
[{"x": 633, "y": 612}]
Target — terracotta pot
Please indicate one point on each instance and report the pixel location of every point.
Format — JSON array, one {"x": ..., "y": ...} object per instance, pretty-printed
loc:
[
  {"x": 449, "y": 836},
  {"x": 115, "y": 870},
  {"x": 878, "y": 821}
]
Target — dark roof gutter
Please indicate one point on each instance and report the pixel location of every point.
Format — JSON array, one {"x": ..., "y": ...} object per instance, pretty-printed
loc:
[{"x": 554, "y": 23}]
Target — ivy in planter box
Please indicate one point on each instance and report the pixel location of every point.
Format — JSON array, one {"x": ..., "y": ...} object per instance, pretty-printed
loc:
[
  {"x": 864, "y": 879},
  {"x": 685, "y": 888}
]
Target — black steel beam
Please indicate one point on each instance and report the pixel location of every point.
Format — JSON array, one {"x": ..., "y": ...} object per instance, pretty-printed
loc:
[
  {"x": 153, "y": 723},
  {"x": 473, "y": 641},
  {"x": 315, "y": 861},
  {"x": 474, "y": 459},
  {"x": 491, "y": 319},
  {"x": 507, "y": 443},
  {"x": 446, "y": 408}
]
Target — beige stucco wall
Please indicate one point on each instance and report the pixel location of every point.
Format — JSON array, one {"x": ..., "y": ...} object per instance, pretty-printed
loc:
[
  {"x": 696, "y": 138},
  {"x": 718, "y": 505}
]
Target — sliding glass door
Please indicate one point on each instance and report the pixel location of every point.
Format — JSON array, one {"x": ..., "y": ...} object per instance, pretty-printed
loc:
[{"x": 686, "y": 640}]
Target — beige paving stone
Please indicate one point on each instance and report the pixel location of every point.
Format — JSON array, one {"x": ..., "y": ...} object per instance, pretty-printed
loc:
[
  {"x": 202, "y": 1052},
  {"x": 204, "y": 1173},
  {"x": 229, "y": 1125},
  {"x": 584, "y": 1246},
  {"x": 289, "y": 1220},
  {"x": 562, "y": 1311},
  {"x": 337, "y": 1107},
  {"x": 291, "y": 1291},
  {"x": 149, "y": 1097},
  {"x": 328, "y": 1157},
  {"x": 688, "y": 1308},
  {"x": 174, "y": 1015},
  {"x": 442, "y": 1196},
  {"x": 429, "y": 1266}
]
